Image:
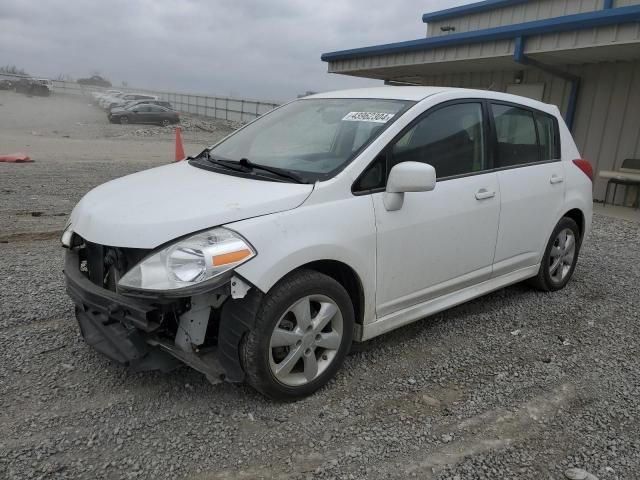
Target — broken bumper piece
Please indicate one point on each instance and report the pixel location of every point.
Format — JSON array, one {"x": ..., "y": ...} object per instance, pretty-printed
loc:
[{"x": 123, "y": 328}]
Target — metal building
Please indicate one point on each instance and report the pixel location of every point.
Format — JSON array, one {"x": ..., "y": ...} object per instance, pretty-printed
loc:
[{"x": 582, "y": 55}]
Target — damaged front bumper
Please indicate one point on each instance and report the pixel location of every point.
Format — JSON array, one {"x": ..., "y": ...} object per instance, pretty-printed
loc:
[{"x": 125, "y": 329}]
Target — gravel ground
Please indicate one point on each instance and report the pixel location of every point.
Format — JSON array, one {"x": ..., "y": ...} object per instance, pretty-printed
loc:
[
  {"x": 75, "y": 148},
  {"x": 516, "y": 385}
]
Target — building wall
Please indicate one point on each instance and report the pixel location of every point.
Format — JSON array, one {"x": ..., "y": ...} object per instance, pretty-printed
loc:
[
  {"x": 533, "y": 10},
  {"x": 607, "y": 123},
  {"x": 578, "y": 47}
]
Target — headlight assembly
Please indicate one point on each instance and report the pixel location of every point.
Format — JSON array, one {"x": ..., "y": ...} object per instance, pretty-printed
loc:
[
  {"x": 67, "y": 236},
  {"x": 189, "y": 262}
]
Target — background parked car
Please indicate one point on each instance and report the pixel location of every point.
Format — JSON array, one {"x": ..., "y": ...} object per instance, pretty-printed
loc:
[
  {"x": 133, "y": 103},
  {"x": 6, "y": 85},
  {"x": 46, "y": 83},
  {"x": 128, "y": 97},
  {"x": 100, "y": 95},
  {"x": 95, "y": 80},
  {"x": 144, "y": 113},
  {"x": 31, "y": 86}
]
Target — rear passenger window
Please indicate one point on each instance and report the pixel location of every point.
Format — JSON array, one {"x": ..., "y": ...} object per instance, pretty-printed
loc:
[
  {"x": 549, "y": 145},
  {"x": 451, "y": 139},
  {"x": 516, "y": 136}
]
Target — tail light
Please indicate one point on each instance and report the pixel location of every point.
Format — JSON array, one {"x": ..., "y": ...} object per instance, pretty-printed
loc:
[{"x": 585, "y": 166}]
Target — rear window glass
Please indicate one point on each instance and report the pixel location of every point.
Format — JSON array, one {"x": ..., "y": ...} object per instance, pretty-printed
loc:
[
  {"x": 516, "y": 136},
  {"x": 547, "y": 134}
]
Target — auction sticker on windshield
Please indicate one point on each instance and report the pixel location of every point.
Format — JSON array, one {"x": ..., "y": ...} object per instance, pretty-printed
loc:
[{"x": 377, "y": 117}]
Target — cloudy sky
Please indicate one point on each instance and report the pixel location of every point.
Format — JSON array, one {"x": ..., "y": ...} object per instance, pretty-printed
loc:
[{"x": 268, "y": 49}]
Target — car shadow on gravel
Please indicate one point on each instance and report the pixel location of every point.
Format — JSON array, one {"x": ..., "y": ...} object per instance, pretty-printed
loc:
[{"x": 456, "y": 315}]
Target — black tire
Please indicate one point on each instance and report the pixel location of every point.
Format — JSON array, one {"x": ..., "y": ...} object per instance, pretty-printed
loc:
[
  {"x": 124, "y": 120},
  {"x": 544, "y": 281},
  {"x": 255, "y": 351},
  {"x": 165, "y": 122}
]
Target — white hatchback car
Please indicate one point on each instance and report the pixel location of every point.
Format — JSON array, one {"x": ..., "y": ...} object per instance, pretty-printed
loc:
[{"x": 332, "y": 219}]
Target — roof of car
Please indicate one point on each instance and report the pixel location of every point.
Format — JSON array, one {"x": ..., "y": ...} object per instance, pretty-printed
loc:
[
  {"x": 386, "y": 92},
  {"x": 416, "y": 94}
]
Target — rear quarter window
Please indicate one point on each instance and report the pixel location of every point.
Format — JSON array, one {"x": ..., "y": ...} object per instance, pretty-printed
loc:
[
  {"x": 524, "y": 136},
  {"x": 548, "y": 135}
]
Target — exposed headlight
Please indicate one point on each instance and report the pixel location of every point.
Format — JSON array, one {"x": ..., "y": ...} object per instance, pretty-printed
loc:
[
  {"x": 66, "y": 236},
  {"x": 189, "y": 262}
]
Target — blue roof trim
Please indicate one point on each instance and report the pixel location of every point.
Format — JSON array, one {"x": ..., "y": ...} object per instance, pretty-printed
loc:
[
  {"x": 469, "y": 9},
  {"x": 578, "y": 21}
]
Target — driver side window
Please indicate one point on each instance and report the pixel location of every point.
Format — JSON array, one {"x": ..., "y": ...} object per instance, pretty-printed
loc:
[{"x": 451, "y": 139}]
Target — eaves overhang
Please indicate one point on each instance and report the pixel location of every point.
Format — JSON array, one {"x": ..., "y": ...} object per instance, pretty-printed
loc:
[{"x": 565, "y": 23}]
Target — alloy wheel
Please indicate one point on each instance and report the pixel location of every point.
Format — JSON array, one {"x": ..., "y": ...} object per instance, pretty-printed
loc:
[
  {"x": 305, "y": 340},
  {"x": 562, "y": 255}
]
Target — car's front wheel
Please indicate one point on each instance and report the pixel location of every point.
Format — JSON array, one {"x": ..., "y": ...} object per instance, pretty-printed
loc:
[
  {"x": 124, "y": 120},
  {"x": 302, "y": 334},
  {"x": 560, "y": 257}
]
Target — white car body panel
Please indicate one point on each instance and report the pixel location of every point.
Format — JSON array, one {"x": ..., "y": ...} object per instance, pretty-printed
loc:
[
  {"x": 426, "y": 248},
  {"x": 411, "y": 262},
  {"x": 530, "y": 208},
  {"x": 152, "y": 207},
  {"x": 340, "y": 230}
]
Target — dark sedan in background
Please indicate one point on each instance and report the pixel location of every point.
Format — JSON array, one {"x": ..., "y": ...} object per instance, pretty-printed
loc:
[
  {"x": 133, "y": 103},
  {"x": 144, "y": 113}
]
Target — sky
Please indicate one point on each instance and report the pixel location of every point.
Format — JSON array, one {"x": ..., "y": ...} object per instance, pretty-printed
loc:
[{"x": 268, "y": 50}]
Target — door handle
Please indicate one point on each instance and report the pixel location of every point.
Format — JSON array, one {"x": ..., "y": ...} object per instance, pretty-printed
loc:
[
  {"x": 555, "y": 179},
  {"x": 483, "y": 194}
]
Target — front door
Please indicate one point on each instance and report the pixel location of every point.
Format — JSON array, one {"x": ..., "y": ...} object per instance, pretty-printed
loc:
[{"x": 444, "y": 240}]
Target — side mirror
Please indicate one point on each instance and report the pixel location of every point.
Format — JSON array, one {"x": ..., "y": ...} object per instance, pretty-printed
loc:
[{"x": 408, "y": 177}]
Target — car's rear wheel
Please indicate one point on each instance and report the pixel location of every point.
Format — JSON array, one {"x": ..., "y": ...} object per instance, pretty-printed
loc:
[
  {"x": 166, "y": 122},
  {"x": 124, "y": 120},
  {"x": 560, "y": 257},
  {"x": 301, "y": 337}
]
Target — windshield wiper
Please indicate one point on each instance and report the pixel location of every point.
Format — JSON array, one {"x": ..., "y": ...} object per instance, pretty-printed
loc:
[
  {"x": 245, "y": 162},
  {"x": 228, "y": 164},
  {"x": 245, "y": 165}
]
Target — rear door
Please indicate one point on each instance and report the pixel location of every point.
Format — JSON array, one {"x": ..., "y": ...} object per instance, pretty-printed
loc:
[
  {"x": 158, "y": 114},
  {"x": 145, "y": 115},
  {"x": 532, "y": 187}
]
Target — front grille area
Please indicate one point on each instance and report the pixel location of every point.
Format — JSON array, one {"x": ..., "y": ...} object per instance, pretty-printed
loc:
[{"x": 105, "y": 265}]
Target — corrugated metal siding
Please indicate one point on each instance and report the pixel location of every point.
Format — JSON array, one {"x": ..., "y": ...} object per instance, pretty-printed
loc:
[
  {"x": 584, "y": 38},
  {"x": 607, "y": 124},
  {"x": 436, "y": 55},
  {"x": 607, "y": 127},
  {"x": 556, "y": 90},
  {"x": 535, "y": 10},
  {"x": 568, "y": 41}
]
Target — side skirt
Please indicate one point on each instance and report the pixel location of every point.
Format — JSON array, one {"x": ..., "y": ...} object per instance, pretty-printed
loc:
[{"x": 416, "y": 312}]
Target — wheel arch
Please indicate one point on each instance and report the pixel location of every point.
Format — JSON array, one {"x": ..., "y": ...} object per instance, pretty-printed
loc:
[
  {"x": 577, "y": 216},
  {"x": 345, "y": 276}
]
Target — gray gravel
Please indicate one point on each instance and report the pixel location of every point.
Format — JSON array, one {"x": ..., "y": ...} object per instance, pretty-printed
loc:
[{"x": 457, "y": 396}]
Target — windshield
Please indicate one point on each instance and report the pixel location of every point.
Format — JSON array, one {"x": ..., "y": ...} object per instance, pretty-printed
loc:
[{"x": 315, "y": 137}]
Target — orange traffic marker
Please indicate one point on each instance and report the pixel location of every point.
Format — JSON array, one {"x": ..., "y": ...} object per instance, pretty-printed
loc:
[{"x": 179, "y": 148}]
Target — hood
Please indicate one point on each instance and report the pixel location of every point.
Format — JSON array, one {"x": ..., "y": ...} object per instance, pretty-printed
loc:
[
  {"x": 152, "y": 207},
  {"x": 117, "y": 110}
]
